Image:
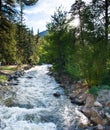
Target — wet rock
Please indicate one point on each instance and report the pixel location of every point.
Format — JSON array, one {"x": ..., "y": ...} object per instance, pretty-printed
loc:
[
  {"x": 80, "y": 93},
  {"x": 107, "y": 104},
  {"x": 90, "y": 100},
  {"x": 83, "y": 98},
  {"x": 107, "y": 109},
  {"x": 16, "y": 75},
  {"x": 56, "y": 94},
  {"x": 4, "y": 83},
  {"x": 79, "y": 84},
  {"x": 29, "y": 77},
  {"x": 12, "y": 83},
  {"x": 97, "y": 104},
  {"x": 96, "y": 118},
  {"x": 77, "y": 101},
  {"x": 9, "y": 102},
  {"x": 86, "y": 111},
  {"x": 100, "y": 127},
  {"x": 83, "y": 121},
  {"x": 27, "y": 67},
  {"x": 108, "y": 116},
  {"x": 28, "y": 106},
  {"x": 71, "y": 96}
]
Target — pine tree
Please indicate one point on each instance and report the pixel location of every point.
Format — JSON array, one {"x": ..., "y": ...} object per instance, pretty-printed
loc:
[
  {"x": 77, "y": 9},
  {"x": 7, "y": 31}
]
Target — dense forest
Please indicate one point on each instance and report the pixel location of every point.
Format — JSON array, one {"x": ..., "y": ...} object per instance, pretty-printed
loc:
[
  {"x": 82, "y": 52},
  {"x": 18, "y": 43}
]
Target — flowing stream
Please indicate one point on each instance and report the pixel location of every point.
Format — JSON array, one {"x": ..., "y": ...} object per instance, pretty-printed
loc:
[{"x": 35, "y": 107}]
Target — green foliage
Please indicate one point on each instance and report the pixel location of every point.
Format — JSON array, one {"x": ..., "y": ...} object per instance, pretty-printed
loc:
[
  {"x": 7, "y": 68},
  {"x": 3, "y": 78},
  {"x": 94, "y": 90},
  {"x": 106, "y": 79},
  {"x": 57, "y": 39},
  {"x": 72, "y": 68},
  {"x": 92, "y": 63},
  {"x": 17, "y": 43},
  {"x": 81, "y": 52},
  {"x": 8, "y": 43}
]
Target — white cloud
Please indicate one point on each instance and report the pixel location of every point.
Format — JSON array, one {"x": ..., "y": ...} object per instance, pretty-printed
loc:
[{"x": 38, "y": 15}]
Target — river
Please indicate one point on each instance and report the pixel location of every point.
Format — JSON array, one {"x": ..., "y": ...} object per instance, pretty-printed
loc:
[{"x": 35, "y": 107}]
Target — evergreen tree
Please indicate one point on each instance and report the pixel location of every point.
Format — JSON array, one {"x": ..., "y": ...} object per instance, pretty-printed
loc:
[
  {"x": 7, "y": 31},
  {"x": 93, "y": 53},
  {"x": 77, "y": 9},
  {"x": 60, "y": 41},
  {"x": 57, "y": 29}
]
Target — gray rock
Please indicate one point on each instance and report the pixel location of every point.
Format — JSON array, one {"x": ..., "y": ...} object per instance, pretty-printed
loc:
[
  {"x": 108, "y": 116},
  {"x": 90, "y": 100},
  {"x": 100, "y": 127},
  {"x": 96, "y": 118},
  {"x": 107, "y": 104},
  {"x": 77, "y": 101},
  {"x": 97, "y": 104},
  {"x": 56, "y": 94},
  {"x": 86, "y": 111}
]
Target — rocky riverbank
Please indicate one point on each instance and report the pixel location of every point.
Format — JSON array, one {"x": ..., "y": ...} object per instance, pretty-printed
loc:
[
  {"x": 13, "y": 75},
  {"x": 95, "y": 107},
  {"x": 7, "y": 91}
]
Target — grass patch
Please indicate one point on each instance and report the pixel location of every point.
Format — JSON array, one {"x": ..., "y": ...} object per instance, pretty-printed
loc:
[
  {"x": 11, "y": 68},
  {"x": 3, "y": 78},
  {"x": 8, "y": 69}
]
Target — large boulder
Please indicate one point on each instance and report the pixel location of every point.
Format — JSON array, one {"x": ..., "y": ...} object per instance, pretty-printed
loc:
[
  {"x": 107, "y": 104},
  {"x": 97, "y": 104},
  {"x": 96, "y": 118},
  {"x": 80, "y": 91},
  {"x": 79, "y": 94},
  {"x": 107, "y": 113},
  {"x": 86, "y": 111},
  {"x": 83, "y": 121},
  {"x": 90, "y": 101},
  {"x": 77, "y": 101}
]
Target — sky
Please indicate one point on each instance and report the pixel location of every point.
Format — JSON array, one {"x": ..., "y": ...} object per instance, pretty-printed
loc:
[{"x": 39, "y": 15}]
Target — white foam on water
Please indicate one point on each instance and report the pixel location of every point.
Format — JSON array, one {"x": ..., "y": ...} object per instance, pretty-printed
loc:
[{"x": 35, "y": 106}]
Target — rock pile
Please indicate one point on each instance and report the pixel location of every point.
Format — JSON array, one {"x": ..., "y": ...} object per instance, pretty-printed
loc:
[
  {"x": 95, "y": 108},
  {"x": 16, "y": 75}
]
